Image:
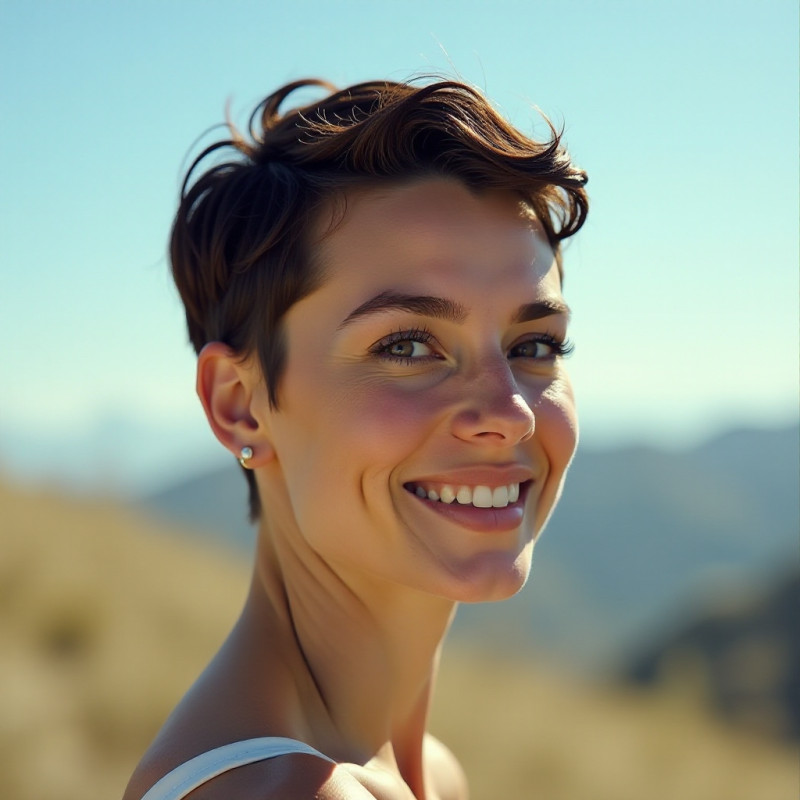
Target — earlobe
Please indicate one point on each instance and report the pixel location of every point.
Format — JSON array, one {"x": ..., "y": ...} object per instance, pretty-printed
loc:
[{"x": 228, "y": 388}]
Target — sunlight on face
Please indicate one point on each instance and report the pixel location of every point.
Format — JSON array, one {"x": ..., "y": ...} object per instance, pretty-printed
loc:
[{"x": 426, "y": 420}]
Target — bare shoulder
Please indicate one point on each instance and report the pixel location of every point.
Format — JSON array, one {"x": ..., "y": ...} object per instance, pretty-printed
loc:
[
  {"x": 306, "y": 777},
  {"x": 449, "y": 780}
]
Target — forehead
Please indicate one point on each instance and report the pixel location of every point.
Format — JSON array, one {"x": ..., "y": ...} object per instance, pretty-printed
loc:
[{"x": 435, "y": 235}]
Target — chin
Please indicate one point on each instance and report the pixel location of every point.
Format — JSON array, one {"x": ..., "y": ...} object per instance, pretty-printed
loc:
[{"x": 490, "y": 578}]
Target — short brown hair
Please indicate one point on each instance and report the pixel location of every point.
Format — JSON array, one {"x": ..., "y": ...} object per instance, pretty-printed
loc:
[{"x": 240, "y": 247}]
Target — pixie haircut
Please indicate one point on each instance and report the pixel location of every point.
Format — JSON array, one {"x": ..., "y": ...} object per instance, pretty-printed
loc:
[{"x": 240, "y": 246}]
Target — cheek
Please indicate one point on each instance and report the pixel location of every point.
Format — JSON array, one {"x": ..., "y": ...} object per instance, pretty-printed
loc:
[
  {"x": 336, "y": 437},
  {"x": 559, "y": 421},
  {"x": 385, "y": 422},
  {"x": 557, "y": 433},
  {"x": 338, "y": 459}
]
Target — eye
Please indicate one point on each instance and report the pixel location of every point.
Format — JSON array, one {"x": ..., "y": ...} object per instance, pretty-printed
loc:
[
  {"x": 541, "y": 348},
  {"x": 406, "y": 346}
]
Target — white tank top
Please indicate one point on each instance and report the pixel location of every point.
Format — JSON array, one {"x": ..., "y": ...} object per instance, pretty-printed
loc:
[{"x": 195, "y": 772}]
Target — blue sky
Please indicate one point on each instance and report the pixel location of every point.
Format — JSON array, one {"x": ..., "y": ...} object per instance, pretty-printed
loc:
[{"x": 684, "y": 282}]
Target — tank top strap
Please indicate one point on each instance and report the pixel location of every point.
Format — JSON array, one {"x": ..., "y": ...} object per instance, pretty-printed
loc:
[{"x": 195, "y": 772}]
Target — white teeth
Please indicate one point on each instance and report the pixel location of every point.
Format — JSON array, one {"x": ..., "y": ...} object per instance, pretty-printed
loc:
[
  {"x": 464, "y": 495},
  {"x": 482, "y": 497},
  {"x": 500, "y": 497},
  {"x": 478, "y": 496}
]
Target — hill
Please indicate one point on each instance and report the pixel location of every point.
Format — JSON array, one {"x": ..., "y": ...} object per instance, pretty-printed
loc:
[
  {"x": 106, "y": 616},
  {"x": 744, "y": 655}
]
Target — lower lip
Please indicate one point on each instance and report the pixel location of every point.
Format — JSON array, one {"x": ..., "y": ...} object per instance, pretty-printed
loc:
[{"x": 482, "y": 520}]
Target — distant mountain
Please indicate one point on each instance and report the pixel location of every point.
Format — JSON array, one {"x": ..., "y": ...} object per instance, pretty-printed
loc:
[
  {"x": 214, "y": 504},
  {"x": 641, "y": 535}
]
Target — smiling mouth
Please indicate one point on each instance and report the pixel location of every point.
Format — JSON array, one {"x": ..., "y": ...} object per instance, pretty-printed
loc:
[{"x": 475, "y": 496}]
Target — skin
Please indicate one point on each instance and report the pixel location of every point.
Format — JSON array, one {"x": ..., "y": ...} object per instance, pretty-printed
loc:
[{"x": 356, "y": 579}]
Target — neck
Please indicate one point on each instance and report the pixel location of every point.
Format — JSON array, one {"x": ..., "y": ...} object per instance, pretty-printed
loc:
[{"x": 365, "y": 652}]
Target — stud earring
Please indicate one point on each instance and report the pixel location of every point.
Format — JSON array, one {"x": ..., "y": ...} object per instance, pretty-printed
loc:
[{"x": 245, "y": 455}]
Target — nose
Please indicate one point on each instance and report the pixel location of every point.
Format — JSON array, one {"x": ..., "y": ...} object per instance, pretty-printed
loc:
[{"x": 493, "y": 411}]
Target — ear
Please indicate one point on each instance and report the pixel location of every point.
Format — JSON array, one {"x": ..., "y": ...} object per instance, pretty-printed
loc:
[{"x": 228, "y": 388}]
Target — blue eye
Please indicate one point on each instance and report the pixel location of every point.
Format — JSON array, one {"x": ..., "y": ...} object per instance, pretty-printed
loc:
[{"x": 541, "y": 347}]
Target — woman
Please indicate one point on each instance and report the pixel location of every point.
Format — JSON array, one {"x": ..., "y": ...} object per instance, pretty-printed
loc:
[{"x": 373, "y": 286}]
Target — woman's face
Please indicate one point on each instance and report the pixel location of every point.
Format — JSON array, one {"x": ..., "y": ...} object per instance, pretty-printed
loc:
[{"x": 426, "y": 367}]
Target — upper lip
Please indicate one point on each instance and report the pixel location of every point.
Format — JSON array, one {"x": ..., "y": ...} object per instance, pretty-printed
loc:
[{"x": 480, "y": 475}]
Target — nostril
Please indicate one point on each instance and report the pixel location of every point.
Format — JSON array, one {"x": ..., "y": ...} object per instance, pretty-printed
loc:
[
  {"x": 507, "y": 422},
  {"x": 493, "y": 410}
]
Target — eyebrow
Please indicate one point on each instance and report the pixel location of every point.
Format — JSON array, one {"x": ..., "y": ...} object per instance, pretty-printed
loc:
[
  {"x": 424, "y": 305},
  {"x": 541, "y": 308},
  {"x": 444, "y": 308}
]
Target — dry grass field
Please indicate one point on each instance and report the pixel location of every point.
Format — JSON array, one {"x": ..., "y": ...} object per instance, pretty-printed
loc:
[{"x": 105, "y": 618}]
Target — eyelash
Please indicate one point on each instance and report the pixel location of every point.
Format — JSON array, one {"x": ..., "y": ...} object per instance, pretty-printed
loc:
[
  {"x": 562, "y": 348},
  {"x": 421, "y": 335}
]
